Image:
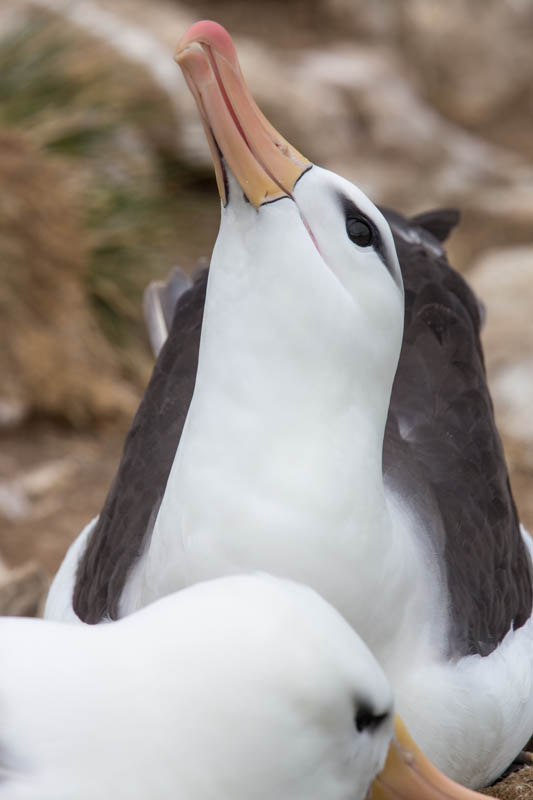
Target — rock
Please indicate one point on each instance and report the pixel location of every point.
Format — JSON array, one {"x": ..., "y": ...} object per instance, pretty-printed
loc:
[
  {"x": 471, "y": 59},
  {"x": 503, "y": 279},
  {"x": 34, "y": 493},
  {"x": 491, "y": 70},
  {"x": 14, "y": 503},
  {"x": 511, "y": 388}
]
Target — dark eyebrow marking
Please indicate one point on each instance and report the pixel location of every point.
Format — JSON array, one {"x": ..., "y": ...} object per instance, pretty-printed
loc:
[{"x": 350, "y": 210}]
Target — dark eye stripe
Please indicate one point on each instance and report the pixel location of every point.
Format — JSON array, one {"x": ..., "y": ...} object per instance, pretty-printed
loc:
[
  {"x": 366, "y": 719},
  {"x": 350, "y": 210}
]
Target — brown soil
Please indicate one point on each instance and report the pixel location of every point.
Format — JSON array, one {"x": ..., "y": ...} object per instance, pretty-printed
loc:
[
  {"x": 64, "y": 475},
  {"x": 517, "y": 786}
]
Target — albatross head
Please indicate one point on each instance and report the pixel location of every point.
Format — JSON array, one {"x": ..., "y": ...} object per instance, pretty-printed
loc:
[
  {"x": 304, "y": 268},
  {"x": 269, "y": 694},
  {"x": 262, "y": 691}
]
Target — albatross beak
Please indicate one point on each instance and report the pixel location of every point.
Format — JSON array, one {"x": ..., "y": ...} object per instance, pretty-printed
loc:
[
  {"x": 264, "y": 164},
  {"x": 409, "y": 775}
]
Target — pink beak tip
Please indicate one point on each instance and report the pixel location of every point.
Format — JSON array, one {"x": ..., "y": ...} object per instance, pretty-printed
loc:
[{"x": 209, "y": 33}]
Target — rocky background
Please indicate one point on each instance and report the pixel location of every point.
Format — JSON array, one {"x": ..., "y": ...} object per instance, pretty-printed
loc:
[{"x": 106, "y": 183}]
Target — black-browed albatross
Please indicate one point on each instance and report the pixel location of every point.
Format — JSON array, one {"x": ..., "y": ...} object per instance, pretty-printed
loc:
[
  {"x": 279, "y": 464},
  {"x": 242, "y": 688}
]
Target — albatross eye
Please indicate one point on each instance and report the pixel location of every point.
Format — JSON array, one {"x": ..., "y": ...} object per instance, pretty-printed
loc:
[
  {"x": 366, "y": 720},
  {"x": 359, "y": 231}
]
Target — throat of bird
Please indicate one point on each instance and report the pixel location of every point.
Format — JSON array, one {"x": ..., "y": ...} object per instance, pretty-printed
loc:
[{"x": 265, "y": 467}]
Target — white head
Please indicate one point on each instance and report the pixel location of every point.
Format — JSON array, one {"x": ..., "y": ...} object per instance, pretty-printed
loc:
[
  {"x": 271, "y": 692},
  {"x": 242, "y": 688},
  {"x": 252, "y": 687}
]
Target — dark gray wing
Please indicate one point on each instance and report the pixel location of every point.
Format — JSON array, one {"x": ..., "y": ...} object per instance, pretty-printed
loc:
[
  {"x": 442, "y": 450},
  {"x": 130, "y": 508}
]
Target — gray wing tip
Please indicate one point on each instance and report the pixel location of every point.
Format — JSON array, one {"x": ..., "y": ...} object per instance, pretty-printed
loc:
[
  {"x": 153, "y": 316},
  {"x": 159, "y": 303}
]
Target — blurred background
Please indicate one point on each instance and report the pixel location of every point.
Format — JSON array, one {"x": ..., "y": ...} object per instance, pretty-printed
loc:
[{"x": 106, "y": 183}]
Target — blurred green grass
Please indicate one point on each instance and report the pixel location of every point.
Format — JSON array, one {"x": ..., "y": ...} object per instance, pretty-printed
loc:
[{"x": 144, "y": 207}]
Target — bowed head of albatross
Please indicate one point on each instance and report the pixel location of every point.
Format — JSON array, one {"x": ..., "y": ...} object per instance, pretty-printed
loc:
[{"x": 243, "y": 688}]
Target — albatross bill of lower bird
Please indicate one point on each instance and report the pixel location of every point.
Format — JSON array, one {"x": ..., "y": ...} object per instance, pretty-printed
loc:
[
  {"x": 243, "y": 688},
  {"x": 280, "y": 462}
]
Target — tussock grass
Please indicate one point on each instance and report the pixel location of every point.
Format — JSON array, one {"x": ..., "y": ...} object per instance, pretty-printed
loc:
[{"x": 115, "y": 133}]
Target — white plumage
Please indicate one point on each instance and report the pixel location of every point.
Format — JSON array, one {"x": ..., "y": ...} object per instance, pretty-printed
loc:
[{"x": 244, "y": 688}]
